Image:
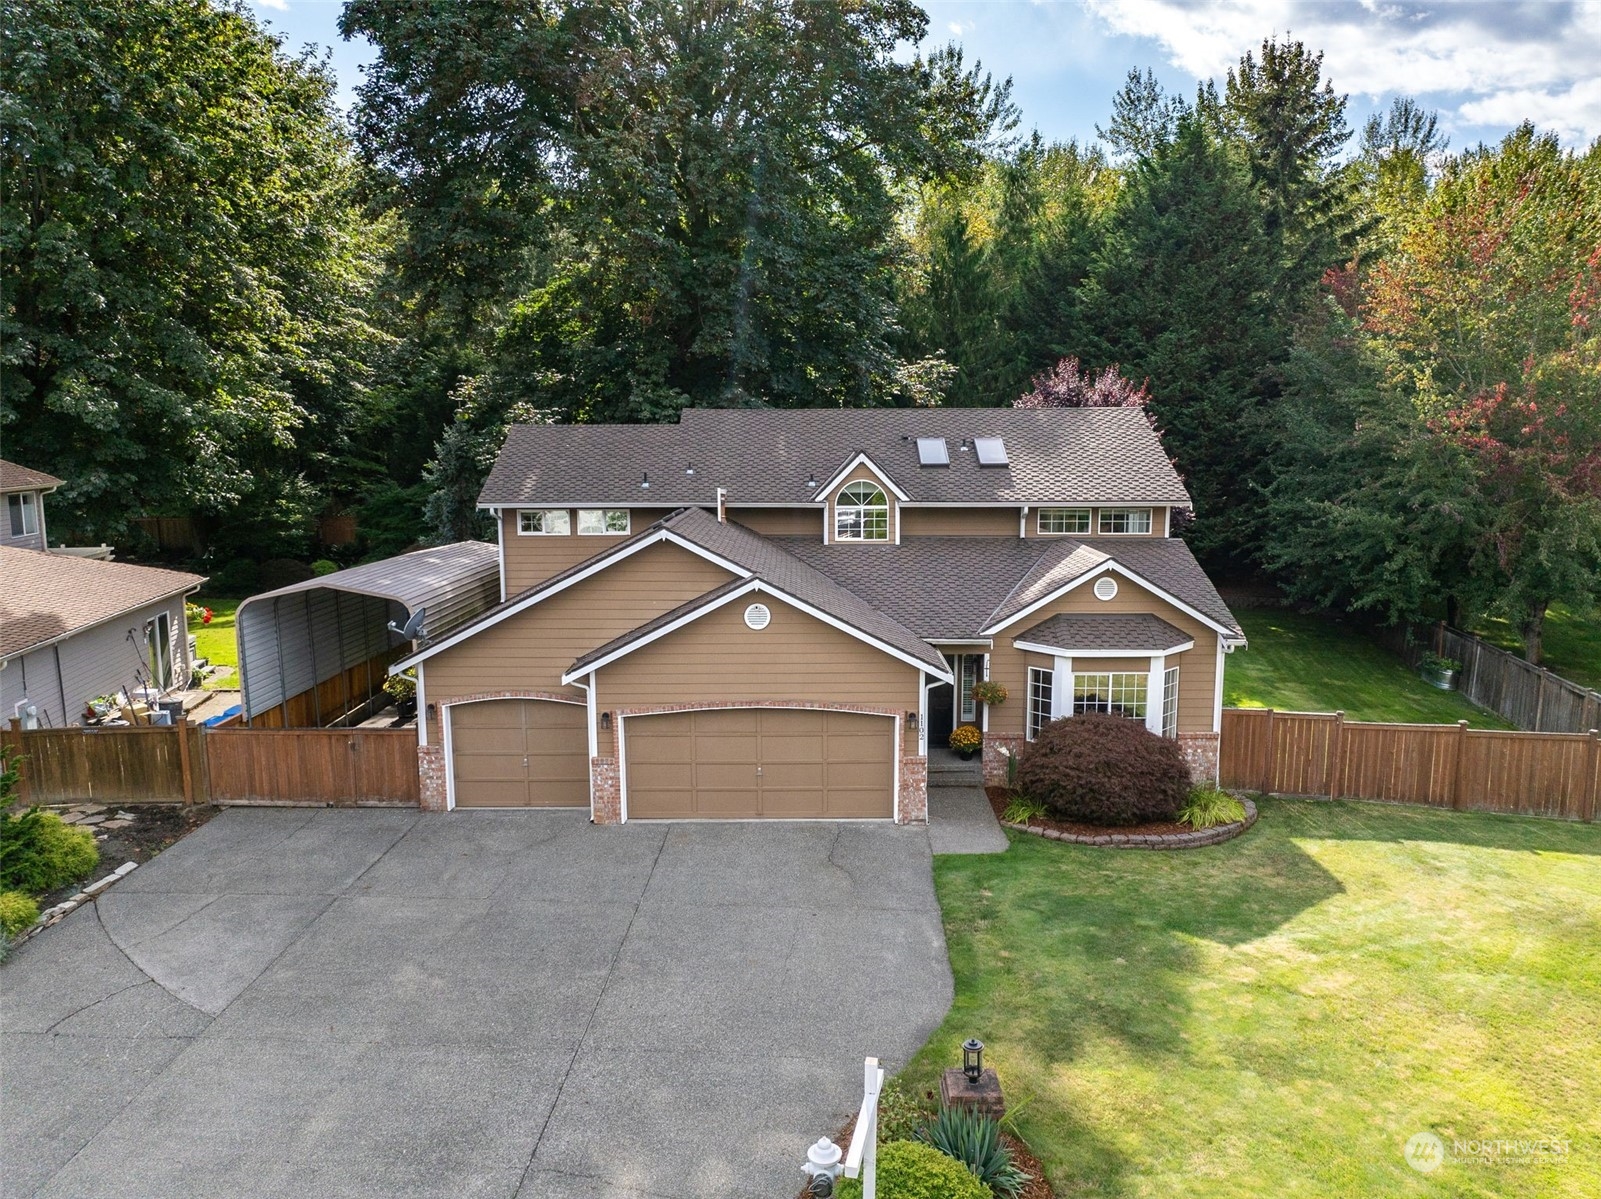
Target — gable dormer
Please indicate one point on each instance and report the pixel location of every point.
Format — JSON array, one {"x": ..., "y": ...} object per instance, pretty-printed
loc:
[
  {"x": 24, "y": 489},
  {"x": 861, "y": 504}
]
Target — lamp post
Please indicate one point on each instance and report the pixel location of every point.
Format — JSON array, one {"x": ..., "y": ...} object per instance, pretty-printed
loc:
[{"x": 973, "y": 1059}]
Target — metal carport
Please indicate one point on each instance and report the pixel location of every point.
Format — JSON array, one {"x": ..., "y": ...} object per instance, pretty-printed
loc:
[{"x": 335, "y": 629}]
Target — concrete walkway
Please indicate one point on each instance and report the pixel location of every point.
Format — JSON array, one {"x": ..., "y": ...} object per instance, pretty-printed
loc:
[
  {"x": 392, "y": 1003},
  {"x": 960, "y": 820}
]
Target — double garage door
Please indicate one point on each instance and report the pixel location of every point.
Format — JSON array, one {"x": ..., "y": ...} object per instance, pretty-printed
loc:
[
  {"x": 753, "y": 763},
  {"x": 734, "y": 764}
]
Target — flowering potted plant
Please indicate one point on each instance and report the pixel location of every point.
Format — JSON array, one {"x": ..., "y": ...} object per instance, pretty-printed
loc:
[
  {"x": 989, "y": 692},
  {"x": 966, "y": 740},
  {"x": 402, "y": 688}
]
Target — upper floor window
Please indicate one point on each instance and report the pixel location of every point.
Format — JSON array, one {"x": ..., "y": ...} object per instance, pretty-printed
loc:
[
  {"x": 1064, "y": 520},
  {"x": 592, "y": 522},
  {"x": 24, "y": 513},
  {"x": 861, "y": 513},
  {"x": 545, "y": 522},
  {"x": 1125, "y": 520}
]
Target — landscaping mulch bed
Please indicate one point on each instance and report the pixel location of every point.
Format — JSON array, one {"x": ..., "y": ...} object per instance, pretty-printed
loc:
[
  {"x": 1037, "y": 1187},
  {"x": 1162, "y": 835},
  {"x": 126, "y": 833}
]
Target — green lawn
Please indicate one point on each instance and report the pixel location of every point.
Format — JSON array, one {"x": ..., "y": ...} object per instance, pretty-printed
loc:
[
  {"x": 1570, "y": 643},
  {"x": 1310, "y": 663},
  {"x": 1276, "y": 1016},
  {"x": 215, "y": 641}
]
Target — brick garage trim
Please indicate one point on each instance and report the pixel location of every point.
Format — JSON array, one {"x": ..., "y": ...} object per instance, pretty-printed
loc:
[
  {"x": 433, "y": 764},
  {"x": 1201, "y": 752},
  {"x": 911, "y": 796}
]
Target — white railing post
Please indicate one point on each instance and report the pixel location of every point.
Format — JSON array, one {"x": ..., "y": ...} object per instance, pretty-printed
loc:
[{"x": 862, "y": 1159}]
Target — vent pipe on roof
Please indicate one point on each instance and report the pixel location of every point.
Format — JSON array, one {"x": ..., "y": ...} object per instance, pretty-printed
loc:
[{"x": 722, "y": 509}]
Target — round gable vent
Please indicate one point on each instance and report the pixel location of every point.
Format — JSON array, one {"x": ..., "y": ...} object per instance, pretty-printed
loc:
[
  {"x": 757, "y": 616},
  {"x": 1105, "y": 587}
]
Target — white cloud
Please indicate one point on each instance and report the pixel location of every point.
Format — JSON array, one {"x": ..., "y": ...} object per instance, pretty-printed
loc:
[
  {"x": 280, "y": 5},
  {"x": 1485, "y": 63},
  {"x": 958, "y": 28}
]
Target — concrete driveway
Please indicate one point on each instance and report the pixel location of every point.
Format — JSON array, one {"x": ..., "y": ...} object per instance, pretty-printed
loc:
[{"x": 391, "y": 1003}]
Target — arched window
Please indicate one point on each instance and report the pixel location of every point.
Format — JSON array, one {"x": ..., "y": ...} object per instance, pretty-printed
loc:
[{"x": 861, "y": 513}]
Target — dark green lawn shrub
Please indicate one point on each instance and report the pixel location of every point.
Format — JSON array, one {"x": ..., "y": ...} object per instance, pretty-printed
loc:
[
  {"x": 1105, "y": 770},
  {"x": 900, "y": 1113},
  {"x": 975, "y": 1141},
  {"x": 911, "y": 1170},
  {"x": 18, "y": 911},
  {"x": 38, "y": 852},
  {"x": 240, "y": 576},
  {"x": 284, "y": 572}
]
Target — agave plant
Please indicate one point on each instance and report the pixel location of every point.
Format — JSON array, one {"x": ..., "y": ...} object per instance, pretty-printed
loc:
[{"x": 975, "y": 1141}]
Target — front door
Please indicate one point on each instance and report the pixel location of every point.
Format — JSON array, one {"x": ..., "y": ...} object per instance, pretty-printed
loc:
[{"x": 950, "y": 706}]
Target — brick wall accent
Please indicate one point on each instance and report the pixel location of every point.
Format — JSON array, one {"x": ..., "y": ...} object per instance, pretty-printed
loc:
[
  {"x": 1201, "y": 751},
  {"x": 996, "y": 746},
  {"x": 431, "y": 777},
  {"x": 913, "y": 806},
  {"x": 605, "y": 794}
]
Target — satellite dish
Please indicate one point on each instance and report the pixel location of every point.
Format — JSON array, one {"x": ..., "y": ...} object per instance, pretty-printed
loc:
[{"x": 412, "y": 629}]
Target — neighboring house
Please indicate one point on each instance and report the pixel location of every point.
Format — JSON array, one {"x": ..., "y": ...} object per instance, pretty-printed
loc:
[
  {"x": 73, "y": 628},
  {"x": 774, "y": 614},
  {"x": 23, "y": 524}
]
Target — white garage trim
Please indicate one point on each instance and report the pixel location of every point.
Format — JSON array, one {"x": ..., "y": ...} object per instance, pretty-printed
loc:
[{"x": 447, "y": 708}]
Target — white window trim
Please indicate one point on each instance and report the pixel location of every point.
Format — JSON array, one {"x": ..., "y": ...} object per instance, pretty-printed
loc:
[
  {"x": 1038, "y": 648},
  {"x": 1028, "y": 699},
  {"x": 1174, "y": 671},
  {"x": 1089, "y": 522},
  {"x": 1100, "y": 521},
  {"x": 863, "y": 509},
  {"x": 523, "y": 531},
  {"x": 628, "y": 523},
  {"x": 1148, "y": 674},
  {"x": 28, "y": 507}
]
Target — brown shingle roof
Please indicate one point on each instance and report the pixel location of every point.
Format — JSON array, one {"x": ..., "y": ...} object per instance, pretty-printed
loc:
[
  {"x": 46, "y": 596},
  {"x": 24, "y": 478},
  {"x": 1084, "y": 455},
  {"x": 952, "y": 588},
  {"x": 1134, "y": 632}
]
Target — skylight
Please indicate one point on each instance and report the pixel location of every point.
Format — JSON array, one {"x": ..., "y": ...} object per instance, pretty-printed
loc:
[
  {"x": 991, "y": 451},
  {"x": 932, "y": 451}
]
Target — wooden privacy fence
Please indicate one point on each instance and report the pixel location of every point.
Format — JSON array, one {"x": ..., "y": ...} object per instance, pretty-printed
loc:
[
  {"x": 1438, "y": 765},
  {"x": 188, "y": 764},
  {"x": 1522, "y": 693}
]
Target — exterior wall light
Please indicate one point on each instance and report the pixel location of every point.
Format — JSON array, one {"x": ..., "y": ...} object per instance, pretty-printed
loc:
[
  {"x": 911, "y": 719},
  {"x": 973, "y": 1058},
  {"x": 605, "y": 721}
]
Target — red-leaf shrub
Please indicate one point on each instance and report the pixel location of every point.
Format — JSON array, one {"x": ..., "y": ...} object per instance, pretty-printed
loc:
[{"x": 1107, "y": 770}]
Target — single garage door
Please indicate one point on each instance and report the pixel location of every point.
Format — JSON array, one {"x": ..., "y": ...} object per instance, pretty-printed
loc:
[
  {"x": 520, "y": 753},
  {"x": 752, "y": 763}
]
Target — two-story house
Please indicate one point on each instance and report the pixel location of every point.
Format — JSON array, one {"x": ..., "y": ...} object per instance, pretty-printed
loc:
[{"x": 774, "y": 614}]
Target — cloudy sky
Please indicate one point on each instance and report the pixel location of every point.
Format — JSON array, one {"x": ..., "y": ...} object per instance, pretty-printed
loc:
[{"x": 1484, "y": 65}]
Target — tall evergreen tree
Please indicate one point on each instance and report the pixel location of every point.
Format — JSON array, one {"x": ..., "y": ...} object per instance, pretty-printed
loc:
[{"x": 1180, "y": 296}]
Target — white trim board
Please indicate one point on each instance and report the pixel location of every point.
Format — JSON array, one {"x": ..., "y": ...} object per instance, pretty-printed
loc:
[
  {"x": 836, "y": 480},
  {"x": 1037, "y": 648}
]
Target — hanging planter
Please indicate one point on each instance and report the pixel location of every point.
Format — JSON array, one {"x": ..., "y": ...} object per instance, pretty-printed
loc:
[{"x": 989, "y": 692}]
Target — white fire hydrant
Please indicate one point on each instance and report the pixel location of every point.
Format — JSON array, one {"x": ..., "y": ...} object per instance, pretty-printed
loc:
[{"x": 823, "y": 1161}]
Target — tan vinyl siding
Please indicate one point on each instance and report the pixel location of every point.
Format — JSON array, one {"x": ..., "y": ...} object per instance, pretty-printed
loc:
[
  {"x": 717, "y": 659},
  {"x": 529, "y": 651},
  {"x": 1197, "y": 667},
  {"x": 531, "y": 559},
  {"x": 1031, "y": 526},
  {"x": 860, "y": 473},
  {"x": 1111, "y": 665},
  {"x": 958, "y": 522},
  {"x": 781, "y": 522}
]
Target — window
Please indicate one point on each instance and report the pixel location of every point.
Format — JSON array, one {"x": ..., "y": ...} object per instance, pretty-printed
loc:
[
  {"x": 548, "y": 522},
  {"x": 594, "y": 522},
  {"x": 1125, "y": 520},
  {"x": 967, "y": 667},
  {"x": 24, "y": 511},
  {"x": 861, "y": 513},
  {"x": 1116, "y": 694},
  {"x": 1064, "y": 520},
  {"x": 1039, "y": 700},
  {"x": 158, "y": 636},
  {"x": 1170, "y": 702}
]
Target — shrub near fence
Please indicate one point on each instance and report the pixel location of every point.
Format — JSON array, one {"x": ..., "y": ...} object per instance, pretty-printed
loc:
[{"x": 1438, "y": 765}]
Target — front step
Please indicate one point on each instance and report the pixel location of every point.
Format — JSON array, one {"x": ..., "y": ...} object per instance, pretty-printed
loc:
[{"x": 965, "y": 775}]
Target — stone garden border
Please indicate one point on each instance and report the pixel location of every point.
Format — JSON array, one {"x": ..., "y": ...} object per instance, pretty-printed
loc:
[
  {"x": 67, "y": 906},
  {"x": 1190, "y": 840}
]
